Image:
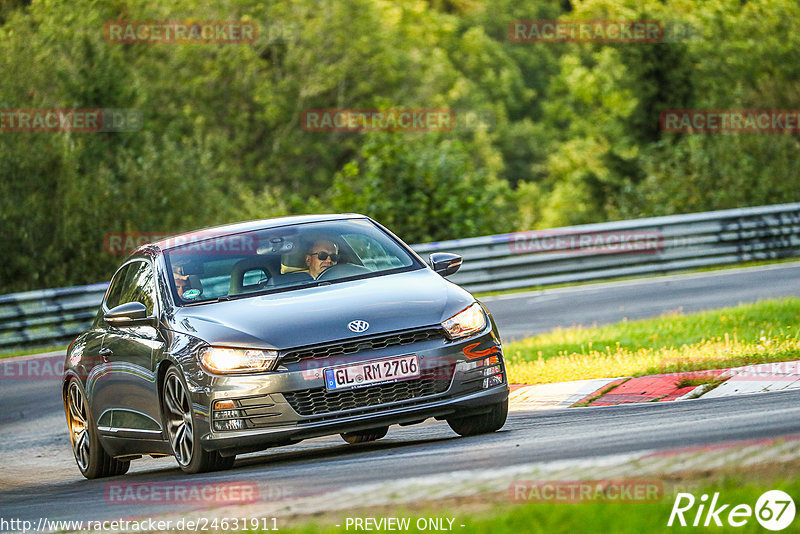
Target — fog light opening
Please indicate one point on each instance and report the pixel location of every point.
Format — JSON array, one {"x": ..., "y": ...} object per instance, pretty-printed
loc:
[
  {"x": 492, "y": 381},
  {"x": 226, "y": 417},
  {"x": 492, "y": 366},
  {"x": 489, "y": 371}
]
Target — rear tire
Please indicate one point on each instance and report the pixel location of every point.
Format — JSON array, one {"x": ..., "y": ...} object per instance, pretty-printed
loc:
[
  {"x": 176, "y": 406},
  {"x": 481, "y": 424},
  {"x": 92, "y": 459},
  {"x": 364, "y": 436}
]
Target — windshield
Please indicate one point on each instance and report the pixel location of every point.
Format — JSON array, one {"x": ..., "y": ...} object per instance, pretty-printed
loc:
[{"x": 281, "y": 259}]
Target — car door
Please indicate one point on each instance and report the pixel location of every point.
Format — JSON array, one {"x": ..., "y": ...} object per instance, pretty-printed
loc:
[{"x": 127, "y": 391}]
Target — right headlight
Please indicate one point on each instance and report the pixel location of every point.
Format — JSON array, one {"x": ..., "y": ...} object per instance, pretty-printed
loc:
[
  {"x": 465, "y": 322},
  {"x": 225, "y": 360}
]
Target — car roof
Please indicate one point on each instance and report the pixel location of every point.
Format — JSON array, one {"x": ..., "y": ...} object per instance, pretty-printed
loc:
[{"x": 246, "y": 226}]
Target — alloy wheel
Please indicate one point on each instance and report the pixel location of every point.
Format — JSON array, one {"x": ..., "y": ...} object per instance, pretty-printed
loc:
[
  {"x": 179, "y": 419},
  {"x": 78, "y": 426}
]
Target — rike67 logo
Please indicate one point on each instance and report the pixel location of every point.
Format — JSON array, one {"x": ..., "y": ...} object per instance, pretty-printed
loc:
[{"x": 774, "y": 510}]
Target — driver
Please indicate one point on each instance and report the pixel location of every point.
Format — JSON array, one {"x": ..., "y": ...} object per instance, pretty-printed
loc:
[{"x": 321, "y": 255}]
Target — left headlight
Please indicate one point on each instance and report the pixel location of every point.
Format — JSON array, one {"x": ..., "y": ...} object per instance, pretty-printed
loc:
[
  {"x": 465, "y": 322},
  {"x": 230, "y": 360}
]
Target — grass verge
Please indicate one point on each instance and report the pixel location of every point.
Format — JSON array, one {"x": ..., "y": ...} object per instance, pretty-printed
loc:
[{"x": 764, "y": 332}]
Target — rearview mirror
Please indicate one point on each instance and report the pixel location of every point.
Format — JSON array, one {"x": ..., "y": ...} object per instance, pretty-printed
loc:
[
  {"x": 129, "y": 314},
  {"x": 445, "y": 263}
]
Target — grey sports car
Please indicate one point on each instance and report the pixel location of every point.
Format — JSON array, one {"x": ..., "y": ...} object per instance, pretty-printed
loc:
[{"x": 252, "y": 335}]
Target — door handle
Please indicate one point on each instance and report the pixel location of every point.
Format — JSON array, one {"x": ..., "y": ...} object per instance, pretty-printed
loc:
[{"x": 106, "y": 353}]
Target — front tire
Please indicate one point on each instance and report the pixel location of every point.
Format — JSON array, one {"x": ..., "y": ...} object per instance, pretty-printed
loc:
[
  {"x": 481, "y": 424},
  {"x": 182, "y": 431},
  {"x": 92, "y": 459},
  {"x": 364, "y": 436}
]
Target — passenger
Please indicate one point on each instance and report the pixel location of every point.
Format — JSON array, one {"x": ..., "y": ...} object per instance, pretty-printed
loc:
[
  {"x": 181, "y": 280},
  {"x": 321, "y": 255},
  {"x": 181, "y": 283}
]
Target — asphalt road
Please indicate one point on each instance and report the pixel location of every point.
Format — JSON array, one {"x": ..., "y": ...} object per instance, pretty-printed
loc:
[
  {"x": 523, "y": 314},
  {"x": 38, "y": 476},
  {"x": 47, "y": 483}
]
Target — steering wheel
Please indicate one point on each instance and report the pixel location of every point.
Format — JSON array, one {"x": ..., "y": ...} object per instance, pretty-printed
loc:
[{"x": 342, "y": 270}]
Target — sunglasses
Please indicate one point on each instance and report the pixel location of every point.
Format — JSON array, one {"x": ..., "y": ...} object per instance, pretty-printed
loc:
[{"x": 324, "y": 256}]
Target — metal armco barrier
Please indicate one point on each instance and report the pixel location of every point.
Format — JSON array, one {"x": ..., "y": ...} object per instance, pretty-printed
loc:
[
  {"x": 624, "y": 248},
  {"x": 47, "y": 316},
  {"x": 507, "y": 261}
]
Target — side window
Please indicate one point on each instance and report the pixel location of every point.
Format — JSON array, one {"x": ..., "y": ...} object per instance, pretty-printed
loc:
[
  {"x": 115, "y": 289},
  {"x": 134, "y": 283},
  {"x": 143, "y": 284}
]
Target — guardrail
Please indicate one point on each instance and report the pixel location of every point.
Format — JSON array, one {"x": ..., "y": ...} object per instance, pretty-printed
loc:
[
  {"x": 624, "y": 248},
  {"x": 47, "y": 316},
  {"x": 507, "y": 261}
]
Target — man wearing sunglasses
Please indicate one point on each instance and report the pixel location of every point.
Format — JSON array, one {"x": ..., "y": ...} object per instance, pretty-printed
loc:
[{"x": 321, "y": 255}]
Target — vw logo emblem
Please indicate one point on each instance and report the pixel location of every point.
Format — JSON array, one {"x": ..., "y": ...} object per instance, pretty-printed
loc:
[{"x": 358, "y": 326}]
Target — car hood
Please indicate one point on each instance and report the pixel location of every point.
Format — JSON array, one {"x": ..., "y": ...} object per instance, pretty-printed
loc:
[{"x": 321, "y": 314}]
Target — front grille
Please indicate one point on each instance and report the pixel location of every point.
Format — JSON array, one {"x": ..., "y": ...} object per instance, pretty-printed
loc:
[
  {"x": 319, "y": 401},
  {"x": 359, "y": 345}
]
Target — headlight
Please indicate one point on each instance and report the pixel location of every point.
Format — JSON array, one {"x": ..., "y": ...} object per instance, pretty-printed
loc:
[
  {"x": 465, "y": 322},
  {"x": 228, "y": 360}
]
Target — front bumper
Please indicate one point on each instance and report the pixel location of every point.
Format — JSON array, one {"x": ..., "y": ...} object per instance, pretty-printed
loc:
[{"x": 292, "y": 404}]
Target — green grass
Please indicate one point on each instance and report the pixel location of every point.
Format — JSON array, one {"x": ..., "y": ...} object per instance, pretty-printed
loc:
[
  {"x": 596, "y": 516},
  {"x": 711, "y": 268},
  {"x": 698, "y": 381},
  {"x": 32, "y": 350},
  {"x": 750, "y": 333}
]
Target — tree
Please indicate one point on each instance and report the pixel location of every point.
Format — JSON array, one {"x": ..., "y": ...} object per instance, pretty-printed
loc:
[{"x": 424, "y": 188}]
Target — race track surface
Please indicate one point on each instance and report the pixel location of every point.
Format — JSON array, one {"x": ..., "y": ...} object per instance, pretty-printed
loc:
[{"x": 39, "y": 478}]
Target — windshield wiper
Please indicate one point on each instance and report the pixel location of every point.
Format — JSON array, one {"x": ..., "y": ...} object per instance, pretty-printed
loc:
[{"x": 223, "y": 298}]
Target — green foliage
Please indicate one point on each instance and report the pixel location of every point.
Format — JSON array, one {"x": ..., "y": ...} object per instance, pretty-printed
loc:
[
  {"x": 575, "y": 136},
  {"x": 424, "y": 188}
]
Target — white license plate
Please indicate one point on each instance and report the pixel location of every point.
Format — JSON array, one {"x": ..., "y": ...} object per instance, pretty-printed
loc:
[{"x": 371, "y": 373}]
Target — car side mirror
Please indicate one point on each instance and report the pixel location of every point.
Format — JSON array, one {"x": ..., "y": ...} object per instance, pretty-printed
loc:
[
  {"x": 445, "y": 263},
  {"x": 129, "y": 314}
]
